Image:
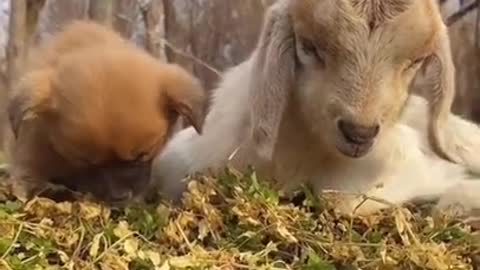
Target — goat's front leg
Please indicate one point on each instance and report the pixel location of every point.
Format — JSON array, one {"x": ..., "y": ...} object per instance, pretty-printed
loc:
[
  {"x": 461, "y": 196},
  {"x": 463, "y": 200},
  {"x": 411, "y": 176}
]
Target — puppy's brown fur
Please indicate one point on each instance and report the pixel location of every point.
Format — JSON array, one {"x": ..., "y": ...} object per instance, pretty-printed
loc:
[{"x": 92, "y": 110}]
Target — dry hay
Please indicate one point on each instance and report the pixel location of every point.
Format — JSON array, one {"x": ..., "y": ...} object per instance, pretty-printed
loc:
[{"x": 230, "y": 222}]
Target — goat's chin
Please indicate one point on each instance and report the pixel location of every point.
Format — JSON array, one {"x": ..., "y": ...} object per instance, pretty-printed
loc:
[{"x": 353, "y": 150}]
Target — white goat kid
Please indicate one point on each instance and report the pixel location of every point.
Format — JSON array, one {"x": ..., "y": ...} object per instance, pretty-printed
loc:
[{"x": 324, "y": 99}]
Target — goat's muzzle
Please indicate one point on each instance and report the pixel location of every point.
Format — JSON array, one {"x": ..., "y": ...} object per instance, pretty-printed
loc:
[{"x": 356, "y": 140}]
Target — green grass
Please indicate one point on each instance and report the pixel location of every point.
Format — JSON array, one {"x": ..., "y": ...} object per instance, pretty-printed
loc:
[{"x": 232, "y": 222}]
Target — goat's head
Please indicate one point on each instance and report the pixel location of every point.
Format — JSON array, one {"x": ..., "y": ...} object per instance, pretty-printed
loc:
[{"x": 350, "y": 64}]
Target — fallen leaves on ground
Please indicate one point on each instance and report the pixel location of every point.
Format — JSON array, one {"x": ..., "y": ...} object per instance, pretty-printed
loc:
[{"x": 234, "y": 221}]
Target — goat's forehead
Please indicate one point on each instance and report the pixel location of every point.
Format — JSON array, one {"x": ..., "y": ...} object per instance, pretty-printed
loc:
[
  {"x": 404, "y": 24},
  {"x": 378, "y": 12}
]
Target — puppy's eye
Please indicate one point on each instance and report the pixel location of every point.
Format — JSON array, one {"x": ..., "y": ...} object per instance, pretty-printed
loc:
[
  {"x": 309, "y": 51},
  {"x": 140, "y": 157}
]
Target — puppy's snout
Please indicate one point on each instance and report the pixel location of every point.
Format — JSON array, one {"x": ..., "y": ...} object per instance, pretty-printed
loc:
[
  {"x": 121, "y": 195},
  {"x": 358, "y": 134}
]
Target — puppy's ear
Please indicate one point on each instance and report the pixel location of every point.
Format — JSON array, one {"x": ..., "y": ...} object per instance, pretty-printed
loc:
[
  {"x": 185, "y": 96},
  {"x": 442, "y": 94},
  {"x": 31, "y": 96},
  {"x": 273, "y": 75}
]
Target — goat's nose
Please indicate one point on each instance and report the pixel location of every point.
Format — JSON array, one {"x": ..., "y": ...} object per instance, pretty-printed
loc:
[{"x": 358, "y": 134}]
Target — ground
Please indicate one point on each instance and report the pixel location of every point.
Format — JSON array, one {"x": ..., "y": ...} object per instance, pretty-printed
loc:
[{"x": 234, "y": 221}]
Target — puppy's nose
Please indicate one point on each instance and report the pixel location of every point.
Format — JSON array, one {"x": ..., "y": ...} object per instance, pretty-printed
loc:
[
  {"x": 358, "y": 134},
  {"x": 121, "y": 195}
]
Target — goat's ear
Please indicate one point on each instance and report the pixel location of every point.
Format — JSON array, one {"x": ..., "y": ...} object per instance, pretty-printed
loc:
[
  {"x": 185, "y": 96},
  {"x": 273, "y": 75},
  {"x": 30, "y": 97},
  {"x": 442, "y": 94}
]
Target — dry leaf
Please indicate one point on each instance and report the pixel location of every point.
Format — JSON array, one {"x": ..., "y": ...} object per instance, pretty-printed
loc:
[
  {"x": 154, "y": 257},
  {"x": 122, "y": 230},
  {"x": 286, "y": 234},
  {"x": 93, "y": 251},
  {"x": 131, "y": 247},
  {"x": 89, "y": 211}
]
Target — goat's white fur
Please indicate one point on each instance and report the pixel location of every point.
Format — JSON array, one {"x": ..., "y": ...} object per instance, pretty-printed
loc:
[
  {"x": 404, "y": 162},
  {"x": 401, "y": 167}
]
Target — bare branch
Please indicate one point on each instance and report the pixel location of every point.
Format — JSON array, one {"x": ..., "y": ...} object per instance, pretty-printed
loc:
[
  {"x": 101, "y": 11},
  {"x": 192, "y": 57},
  {"x": 461, "y": 13}
]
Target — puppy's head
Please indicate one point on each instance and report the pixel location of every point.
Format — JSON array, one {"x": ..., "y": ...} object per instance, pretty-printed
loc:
[
  {"x": 351, "y": 63},
  {"x": 107, "y": 111}
]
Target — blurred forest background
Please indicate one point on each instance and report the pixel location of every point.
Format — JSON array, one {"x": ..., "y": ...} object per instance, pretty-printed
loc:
[{"x": 204, "y": 36}]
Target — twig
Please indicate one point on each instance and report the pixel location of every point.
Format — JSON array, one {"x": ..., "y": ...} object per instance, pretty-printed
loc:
[
  {"x": 80, "y": 242},
  {"x": 118, "y": 242},
  {"x": 190, "y": 246},
  {"x": 233, "y": 154},
  {"x": 364, "y": 196},
  {"x": 462, "y": 12},
  {"x": 197, "y": 60},
  {"x": 15, "y": 239},
  {"x": 5, "y": 263}
]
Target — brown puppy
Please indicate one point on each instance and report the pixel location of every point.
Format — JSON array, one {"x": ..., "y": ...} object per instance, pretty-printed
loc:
[{"x": 92, "y": 110}]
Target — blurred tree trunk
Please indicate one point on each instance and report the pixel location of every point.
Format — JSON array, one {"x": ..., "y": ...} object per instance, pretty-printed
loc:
[
  {"x": 16, "y": 47},
  {"x": 101, "y": 11},
  {"x": 153, "y": 15},
  {"x": 124, "y": 16},
  {"x": 57, "y": 13},
  {"x": 34, "y": 8},
  {"x": 22, "y": 26},
  {"x": 475, "y": 101},
  {"x": 210, "y": 36},
  {"x": 23, "y": 23}
]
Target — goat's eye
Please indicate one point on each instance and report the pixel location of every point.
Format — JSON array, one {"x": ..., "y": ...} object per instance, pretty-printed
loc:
[
  {"x": 311, "y": 51},
  {"x": 417, "y": 62}
]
